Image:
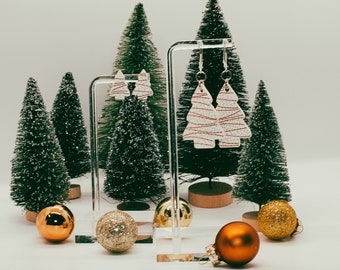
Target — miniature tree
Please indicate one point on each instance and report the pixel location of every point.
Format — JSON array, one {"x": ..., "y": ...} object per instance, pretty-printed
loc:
[
  {"x": 136, "y": 52},
  {"x": 69, "y": 126},
  {"x": 217, "y": 161},
  {"x": 39, "y": 175},
  {"x": 134, "y": 170},
  {"x": 262, "y": 174}
]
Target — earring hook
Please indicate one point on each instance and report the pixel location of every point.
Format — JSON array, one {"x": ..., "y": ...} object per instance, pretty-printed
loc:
[{"x": 200, "y": 75}]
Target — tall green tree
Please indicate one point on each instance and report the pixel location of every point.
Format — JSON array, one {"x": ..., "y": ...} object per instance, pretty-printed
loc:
[
  {"x": 67, "y": 118},
  {"x": 134, "y": 169},
  {"x": 262, "y": 174},
  {"x": 39, "y": 175},
  {"x": 136, "y": 52},
  {"x": 217, "y": 161}
]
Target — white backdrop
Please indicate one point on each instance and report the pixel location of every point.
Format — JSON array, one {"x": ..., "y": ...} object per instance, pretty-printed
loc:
[{"x": 292, "y": 45}]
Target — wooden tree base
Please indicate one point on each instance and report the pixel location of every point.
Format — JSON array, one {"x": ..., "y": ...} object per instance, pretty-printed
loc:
[
  {"x": 75, "y": 192},
  {"x": 218, "y": 195},
  {"x": 251, "y": 219},
  {"x": 31, "y": 216}
]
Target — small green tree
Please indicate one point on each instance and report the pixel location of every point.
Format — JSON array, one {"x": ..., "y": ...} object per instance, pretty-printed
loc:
[
  {"x": 136, "y": 52},
  {"x": 134, "y": 169},
  {"x": 39, "y": 175},
  {"x": 217, "y": 161},
  {"x": 262, "y": 174},
  {"x": 70, "y": 129}
]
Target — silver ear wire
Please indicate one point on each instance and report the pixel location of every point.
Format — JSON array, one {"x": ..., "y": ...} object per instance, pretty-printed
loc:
[
  {"x": 200, "y": 75},
  {"x": 226, "y": 74}
]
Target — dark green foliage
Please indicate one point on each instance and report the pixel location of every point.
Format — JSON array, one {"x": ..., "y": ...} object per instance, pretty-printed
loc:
[
  {"x": 136, "y": 52},
  {"x": 39, "y": 175},
  {"x": 69, "y": 126},
  {"x": 210, "y": 162},
  {"x": 134, "y": 170},
  {"x": 262, "y": 173}
]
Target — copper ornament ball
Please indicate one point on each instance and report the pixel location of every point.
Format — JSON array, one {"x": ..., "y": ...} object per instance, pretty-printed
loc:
[
  {"x": 162, "y": 217},
  {"x": 277, "y": 220},
  {"x": 55, "y": 223},
  {"x": 116, "y": 231},
  {"x": 237, "y": 243}
]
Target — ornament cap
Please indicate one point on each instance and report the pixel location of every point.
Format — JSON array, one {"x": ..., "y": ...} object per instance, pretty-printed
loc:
[{"x": 212, "y": 255}]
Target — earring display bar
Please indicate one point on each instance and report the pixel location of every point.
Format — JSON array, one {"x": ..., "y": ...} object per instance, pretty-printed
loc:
[{"x": 172, "y": 127}]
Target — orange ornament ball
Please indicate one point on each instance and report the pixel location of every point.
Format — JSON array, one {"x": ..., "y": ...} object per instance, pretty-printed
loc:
[
  {"x": 237, "y": 243},
  {"x": 55, "y": 223}
]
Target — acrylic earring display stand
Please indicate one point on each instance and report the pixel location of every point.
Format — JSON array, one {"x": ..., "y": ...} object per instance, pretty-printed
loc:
[
  {"x": 99, "y": 85},
  {"x": 179, "y": 252}
]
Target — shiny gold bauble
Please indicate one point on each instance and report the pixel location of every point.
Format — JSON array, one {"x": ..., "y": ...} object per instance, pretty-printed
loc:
[
  {"x": 162, "y": 217},
  {"x": 116, "y": 231},
  {"x": 277, "y": 220},
  {"x": 55, "y": 223},
  {"x": 237, "y": 243}
]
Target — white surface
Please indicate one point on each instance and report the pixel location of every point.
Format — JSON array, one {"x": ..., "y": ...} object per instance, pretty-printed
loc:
[
  {"x": 292, "y": 45},
  {"x": 314, "y": 184}
]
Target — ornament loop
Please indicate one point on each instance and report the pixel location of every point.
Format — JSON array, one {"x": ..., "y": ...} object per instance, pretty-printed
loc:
[
  {"x": 212, "y": 255},
  {"x": 299, "y": 228}
]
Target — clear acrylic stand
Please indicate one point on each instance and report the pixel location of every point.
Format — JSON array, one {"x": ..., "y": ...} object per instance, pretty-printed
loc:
[{"x": 172, "y": 129}]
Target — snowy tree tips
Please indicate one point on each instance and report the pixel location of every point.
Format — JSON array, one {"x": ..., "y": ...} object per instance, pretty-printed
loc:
[
  {"x": 262, "y": 174},
  {"x": 39, "y": 175}
]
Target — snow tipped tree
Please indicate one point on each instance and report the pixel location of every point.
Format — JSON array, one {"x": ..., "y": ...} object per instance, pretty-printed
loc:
[
  {"x": 136, "y": 52},
  {"x": 67, "y": 118},
  {"x": 262, "y": 174},
  {"x": 134, "y": 170},
  {"x": 217, "y": 161},
  {"x": 39, "y": 175}
]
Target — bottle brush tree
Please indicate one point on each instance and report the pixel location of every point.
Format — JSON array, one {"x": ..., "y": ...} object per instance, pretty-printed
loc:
[
  {"x": 216, "y": 161},
  {"x": 134, "y": 170},
  {"x": 262, "y": 173},
  {"x": 136, "y": 52},
  {"x": 69, "y": 126},
  {"x": 39, "y": 175}
]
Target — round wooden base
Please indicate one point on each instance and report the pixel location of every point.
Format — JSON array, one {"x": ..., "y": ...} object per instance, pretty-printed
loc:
[
  {"x": 31, "y": 216},
  {"x": 75, "y": 192},
  {"x": 210, "y": 195},
  {"x": 251, "y": 219}
]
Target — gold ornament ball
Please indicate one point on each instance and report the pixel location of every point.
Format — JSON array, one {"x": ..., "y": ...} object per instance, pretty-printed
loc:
[
  {"x": 237, "y": 243},
  {"x": 116, "y": 231},
  {"x": 55, "y": 223},
  {"x": 162, "y": 217},
  {"x": 277, "y": 220}
]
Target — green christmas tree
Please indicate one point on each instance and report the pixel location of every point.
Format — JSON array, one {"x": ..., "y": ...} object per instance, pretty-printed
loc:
[
  {"x": 262, "y": 174},
  {"x": 134, "y": 170},
  {"x": 217, "y": 161},
  {"x": 39, "y": 175},
  {"x": 69, "y": 126},
  {"x": 136, "y": 52}
]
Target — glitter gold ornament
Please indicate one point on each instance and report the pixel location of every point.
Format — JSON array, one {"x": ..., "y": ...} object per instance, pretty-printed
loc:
[
  {"x": 55, "y": 223},
  {"x": 162, "y": 217},
  {"x": 236, "y": 243},
  {"x": 277, "y": 220},
  {"x": 116, "y": 231}
]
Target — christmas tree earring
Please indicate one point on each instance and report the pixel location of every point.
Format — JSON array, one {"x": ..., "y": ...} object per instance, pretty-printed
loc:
[
  {"x": 119, "y": 89},
  {"x": 143, "y": 86},
  {"x": 203, "y": 126},
  {"x": 230, "y": 115}
]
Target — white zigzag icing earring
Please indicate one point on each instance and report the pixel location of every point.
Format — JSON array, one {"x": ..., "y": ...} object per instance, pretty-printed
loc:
[
  {"x": 203, "y": 127},
  {"x": 231, "y": 117},
  {"x": 119, "y": 89},
  {"x": 143, "y": 86}
]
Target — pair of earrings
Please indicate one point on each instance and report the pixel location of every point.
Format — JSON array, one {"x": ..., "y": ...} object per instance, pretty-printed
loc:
[
  {"x": 225, "y": 123},
  {"x": 119, "y": 89}
]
